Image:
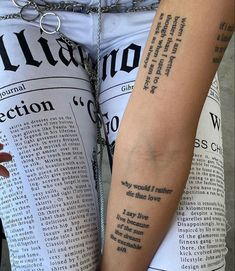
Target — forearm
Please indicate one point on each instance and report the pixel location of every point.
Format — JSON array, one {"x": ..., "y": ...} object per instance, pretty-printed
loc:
[
  {"x": 155, "y": 143},
  {"x": 146, "y": 189}
]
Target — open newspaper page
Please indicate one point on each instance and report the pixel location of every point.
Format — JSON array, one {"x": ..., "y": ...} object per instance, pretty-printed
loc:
[
  {"x": 196, "y": 239},
  {"x": 49, "y": 206},
  {"x": 197, "y": 235}
]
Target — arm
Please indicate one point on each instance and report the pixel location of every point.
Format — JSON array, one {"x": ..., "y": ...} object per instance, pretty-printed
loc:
[
  {"x": 155, "y": 144},
  {"x": 4, "y": 157}
]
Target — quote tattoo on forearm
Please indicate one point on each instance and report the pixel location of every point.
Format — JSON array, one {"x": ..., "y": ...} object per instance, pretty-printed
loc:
[
  {"x": 131, "y": 225},
  {"x": 163, "y": 49}
]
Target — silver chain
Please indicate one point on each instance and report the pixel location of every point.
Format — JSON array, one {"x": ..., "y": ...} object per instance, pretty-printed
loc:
[
  {"x": 43, "y": 8},
  {"x": 10, "y": 16},
  {"x": 76, "y": 7},
  {"x": 100, "y": 140}
]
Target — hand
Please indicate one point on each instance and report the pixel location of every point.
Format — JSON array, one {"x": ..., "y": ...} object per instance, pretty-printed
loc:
[{"x": 4, "y": 157}]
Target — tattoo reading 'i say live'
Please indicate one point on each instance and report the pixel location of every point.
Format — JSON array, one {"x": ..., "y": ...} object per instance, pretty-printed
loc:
[
  {"x": 225, "y": 33},
  {"x": 163, "y": 48},
  {"x": 131, "y": 226},
  {"x": 129, "y": 229}
]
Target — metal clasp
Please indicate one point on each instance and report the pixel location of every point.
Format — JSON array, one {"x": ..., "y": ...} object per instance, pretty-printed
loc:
[
  {"x": 17, "y": 3},
  {"x": 28, "y": 6},
  {"x": 57, "y": 28}
]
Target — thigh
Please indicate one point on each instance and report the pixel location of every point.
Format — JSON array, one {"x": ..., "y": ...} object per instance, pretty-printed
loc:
[
  {"x": 199, "y": 225},
  {"x": 49, "y": 207},
  {"x": 123, "y": 43}
]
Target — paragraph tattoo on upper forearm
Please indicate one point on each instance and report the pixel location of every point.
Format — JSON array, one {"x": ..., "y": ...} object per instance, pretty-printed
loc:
[
  {"x": 225, "y": 33},
  {"x": 163, "y": 49}
]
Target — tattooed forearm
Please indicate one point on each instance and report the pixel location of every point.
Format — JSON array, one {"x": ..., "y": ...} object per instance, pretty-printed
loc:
[
  {"x": 145, "y": 192},
  {"x": 225, "y": 33},
  {"x": 163, "y": 49}
]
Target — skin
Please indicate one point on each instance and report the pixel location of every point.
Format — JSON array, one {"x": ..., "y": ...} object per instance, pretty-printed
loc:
[
  {"x": 162, "y": 128},
  {"x": 4, "y": 157}
]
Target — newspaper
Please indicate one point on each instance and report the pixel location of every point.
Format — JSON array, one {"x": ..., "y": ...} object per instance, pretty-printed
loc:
[
  {"x": 197, "y": 235},
  {"x": 49, "y": 206},
  {"x": 196, "y": 239}
]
